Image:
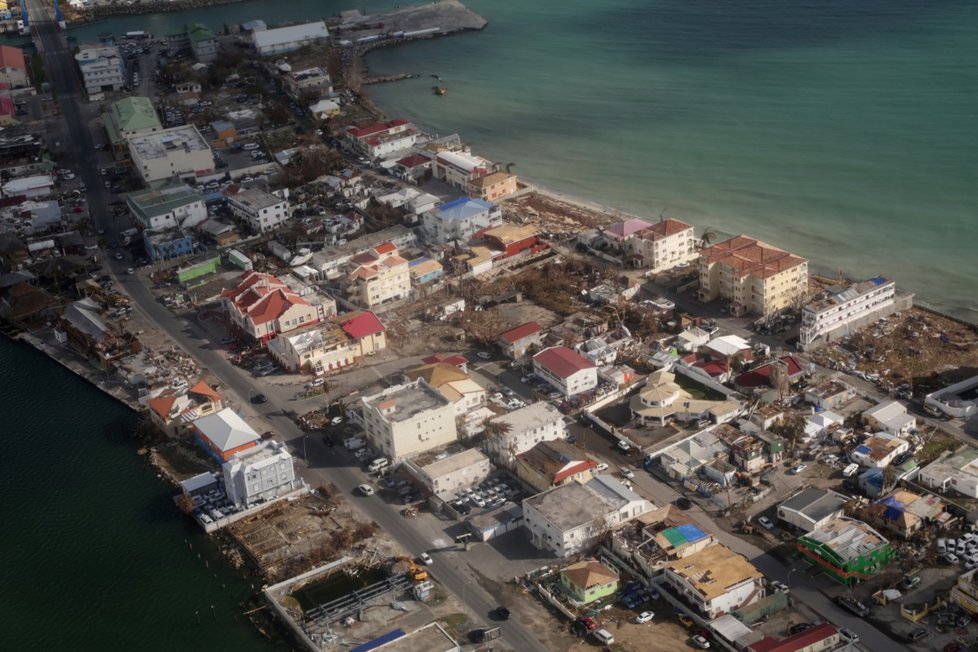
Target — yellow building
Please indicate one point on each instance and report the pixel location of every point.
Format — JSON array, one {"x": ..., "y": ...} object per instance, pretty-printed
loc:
[
  {"x": 965, "y": 592},
  {"x": 493, "y": 186},
  {"x": 379, "y": 276},
  {"x": 752, "y": 275}
]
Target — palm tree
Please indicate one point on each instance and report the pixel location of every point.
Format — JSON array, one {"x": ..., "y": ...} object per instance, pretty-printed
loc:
[
  {"x": 707, "y": 237},
  {"x": 509, "y": 168}
]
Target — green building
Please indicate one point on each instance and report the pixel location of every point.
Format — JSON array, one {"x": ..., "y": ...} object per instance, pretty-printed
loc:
[
  {"x": 130, "y": 116},
  {"x": 589, "y": 580},
  {"x": 204, "y": 268},
  {"x": 847, "y": 550}
]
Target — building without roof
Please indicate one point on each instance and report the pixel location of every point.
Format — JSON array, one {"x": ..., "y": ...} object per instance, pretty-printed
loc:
[
  {"x": 407, "y": 419},
  {"x": 261, "y": 211},
  {"x": 174, "y": 153},
  {"x": 224, "y": 433},
  {"x": 270, "y": 42},
  {"x": 174, "y": 411},
  {"x": 552, "y": 463},
  {"x": 167, "y": 208},
  {"x": 570, "y": 518},
  {"x": 449, "y": 474},
  {"x": 965, "y": 592},
  {"x": 847, "y": 550},
  {"x": 956, "y": 471},
  {"x": 879, "y": 450},
  {"x": 715, "y": 580},
  {"x": 752, "y": 276},
  {"x": 518, "y": 341},
  {"x": 459, "y": 220},
  {"x": 566, "y": 370},
  {"x": 588, "y": 580},
  {"x": 811, "y": 508}
]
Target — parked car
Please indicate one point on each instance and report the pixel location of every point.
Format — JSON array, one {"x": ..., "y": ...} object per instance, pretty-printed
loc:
[
  {"x": 917, "y": 634},
  {"x": 848, "y": 634},
  {"x": 624, "y": 445},
  {"x": 644, "y": 617},
  {"x": 502, "y": 613},
  {"x": 765, "y": 523},
  {"x": 701, "y": 642},
  {"x": 685, "y": 620},
  {"x": 795, "y": 470},
  {"x": 259, "y": 398},
  {"x": 601, "y": 468},
  {"x": 485, "y": 355},
  {"x": 366, "y": 490},
  {"x": 627, "y": 473},
  {"x": 951, "y": 558},
  {"x": 909, "y": 582},
  {"x": 604, "y": 636},
  {"x": 798, "y": 628},
  {"x": 426, "y": 559}
]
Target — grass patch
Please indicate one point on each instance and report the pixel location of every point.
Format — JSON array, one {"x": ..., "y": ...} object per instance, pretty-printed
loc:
[
  {"x": 696, "y": 390},
  {"x": 933, "y": 449},
  {"x": 454, "y": 622}
]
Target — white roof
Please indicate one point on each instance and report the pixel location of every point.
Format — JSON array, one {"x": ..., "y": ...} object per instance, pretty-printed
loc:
[
  {"x": 728, "y": 344},
  {"x": 886, "y": 411},
  {"x": 226, "y": 429},
  {"x": 292, "y": 34},
  {"x": 324, "y": 105},
  {"x": 27, "y": 183}
]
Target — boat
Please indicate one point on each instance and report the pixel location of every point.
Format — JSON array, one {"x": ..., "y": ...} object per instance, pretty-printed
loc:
[{"x": 439, "y": 90}]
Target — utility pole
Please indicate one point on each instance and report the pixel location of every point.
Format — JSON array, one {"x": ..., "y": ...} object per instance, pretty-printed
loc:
[{"x": 464, "y": 539}]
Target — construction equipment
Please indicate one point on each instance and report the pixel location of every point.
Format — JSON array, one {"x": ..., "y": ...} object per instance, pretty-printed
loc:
[{"x": 415, "y": 573}]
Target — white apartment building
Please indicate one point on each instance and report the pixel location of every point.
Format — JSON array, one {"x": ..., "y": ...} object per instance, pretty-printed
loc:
[
  {"x": 313, "y": 79},
  {"x": 261, "y": 211},
  {"x": 664, "y": 245},
  {"x": 832, "y": 316},
  {"x": 459, "y": 168},
  {"x": 566, "y": 370},
  {"x": 890, "y": 417},
  {"x": 715, "y": 580},
  {"x": 569, "y": 518},
  {"x": 175, "y": 153},
  {"x": 752, "y": 275},
  {"x": 381, "y": 139},
  {"x": 258, "y": 474},
  {"x": 453, "y": 473},
  {"x": 407, "y": 419},
  {"x": 101, "y": 69},
  {"x": 167, "y": 208},
  {"x": 458, "y": 220},
  {"x": 269, "y": 42},
  {"x": 379, "y": 276},
  {"x": 524, "y": 429}
]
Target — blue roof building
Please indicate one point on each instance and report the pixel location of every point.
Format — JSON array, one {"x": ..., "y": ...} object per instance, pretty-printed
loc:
[{"x": 459, "y": 220}]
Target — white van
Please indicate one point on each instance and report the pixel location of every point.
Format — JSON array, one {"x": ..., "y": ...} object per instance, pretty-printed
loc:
[
  {"x": 604, "y": 636},
  {"x": 249, "y": 146},
  {"x": 378, "y": 464},
  {"x": 850, "y": 470}
]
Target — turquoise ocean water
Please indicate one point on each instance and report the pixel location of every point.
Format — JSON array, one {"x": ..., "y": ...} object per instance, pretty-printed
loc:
[{"x": 842, "y": 130}]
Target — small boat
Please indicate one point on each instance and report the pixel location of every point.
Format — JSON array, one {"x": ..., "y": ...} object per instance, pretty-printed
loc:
[{"x": 439, "y": 90}]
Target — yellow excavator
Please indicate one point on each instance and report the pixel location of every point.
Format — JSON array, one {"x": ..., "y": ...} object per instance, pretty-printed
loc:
[{"x": 414, "y": 572}]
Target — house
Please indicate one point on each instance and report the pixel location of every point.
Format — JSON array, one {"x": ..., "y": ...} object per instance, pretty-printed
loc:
[
  {"x": 956, "y": 471},
  {"x": 174, "y": 411},
  {"x": 830, "y": 395},
  {"x": 381, "y": 139},
  {"x": 424, "y": 270},
  {"x": 324, "y": 110},
  {"x": 167, "y": 208},
  {"x": 330, "y": 261},
  {"x": 906, "y": 512},
  {"x": 101, "y": 69},
  {"x": 496, "y": 521},
  {"x": 270, "y": 42},
  {"x": 259, "y": 474},
  {"x": 196, "y": 38},
  {"x": 459, "y": 220},
  {"x": 570, "y": 518},
  {"x": 749, "y": 454},
  {"x": 840, "y": 310},
  {"x": 729, "y": 347},
  {"x": 588, "y": 580},
  {"x": 308, "y": 80},
  {"x": 8, "y": 111},
  {"x": 366, "y": 329},
  {"x": 13, "y": 69},
  {"x": 824, "y": 636},
  {"x": 520, "y": 430},
  {"x": 821, "y": 424},
  {"x": 379, "y": 276},
  {"x": 261, "y": 211},
  {"x": 225, "y": 133},
  {"x": 692, "y": 338},
  {"x": 810, "y": 508},
  {"x": 566, "y": 370},
  {"x": 662, "y": 399},
  {"x": 468, "y": 396},
  {"x": 218, "y": 233},
  {"x": 263, "y": 306},
  {"x": 493, "y": 186},
  {"x": 129, "y": 116},
  {"x": 459, "y": 168},
  {"x": 319, "y": 349},
  {"x": 715, "y": 580},
  {"x": 224, "y": 433},
  {"x": 518, "y": 341},
  {"x": 688, "y": 456},
  {"x": 450, "y": 474},
  {"x": 407, "y": 419},
  {"x": 167, "y": 244},
  {"x": 661, "y": 246},
  {"x": 891, "y": 417},
  {"x": 551, "y": 463},
  {"x": 512, "y": 240},
  {"x": 787, "y": 369},
  {"x": 413, "y": 167},
  {"x": 847, "y": 550},
  {"x": 174, "y": 153},
  {"x": 879, "y": 450},
  {"x": 752, "y": 276}
]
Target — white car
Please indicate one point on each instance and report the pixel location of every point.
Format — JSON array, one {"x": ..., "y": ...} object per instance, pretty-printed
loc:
[
  {"x": 484, "y": 355},
  {"x": 366, "y": 490},
  {"x": 644, "y": 617},
  {"x": 701, "y": 642},
  {"x": 335, "y": 421},
  {"x": 798, "y": 469},
  {"x": 624, "y": 445},
  {"x": 600, "y": 468},
  {"x": 627, "y": 473},
  {"x": 426, "y": 559},
  {"x": 766, "y": 523}
]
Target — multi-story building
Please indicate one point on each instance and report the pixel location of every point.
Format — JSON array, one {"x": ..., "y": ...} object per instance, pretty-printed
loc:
[
  {"x": 270, "y": 42},
  {"x": 468, "y": 396},
  {"x": 311, "y": 80},
  {"x": 167, "y": 208},
  {"x": 174, "y": 153},
  {"x": 259, "y": 474},
  {"x": 130, "y": 116},
  {"x": 753, "y": 276},
  {"x": 261, "y": 211},
  {"x": 840, "y": 310},
  {"x": 383, "y": 138},
  {"x": 517, "y": 342},
  {"x": 263, "y": 307},
  {"x": 566, "y": 370},
  {"x": 407, "y": 419},
  {"x": 847, "y": 550},
  {"x": 553, "y": 463},
  {"x": 493, "y": 186},
  {"x": 458, "y": 220},
  {"x": 13, "y": 69},
  {"x": 570, "y": 518},
  {"x": 330, "y": 347},
  {"x": 662, "y": 246},
  {"x": 452, "y": 473},
  {"x": 203, "y": 43},
  {"x": 715, "y": 580},
  {"x": 953, "y": 472},
  {"x": 522, "y": 429},
  {"x": 459, "y": 169},
  {"x": 174, "y": 411},
  {"x": 101, "y": 69},
  {"x": 379, "y": 276},
  {"x": 965, "y": 592}
]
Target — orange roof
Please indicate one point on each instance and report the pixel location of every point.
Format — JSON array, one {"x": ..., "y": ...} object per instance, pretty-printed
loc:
[
  {"x": 274, "y": 305},
  {"x": 12, "y": 58},
  {"x": 664, "y": 229},
  {"x": 393, "y": 261},
  {"x": 386, "y": 248},
  {"x": 204, "y": 389},
  {"x": 161, "y": 405},
  {"x": 749, "y": 256}
]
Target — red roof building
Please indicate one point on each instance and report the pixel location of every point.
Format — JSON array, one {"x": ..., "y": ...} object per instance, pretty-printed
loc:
[
  {"x": 566, "y": 370},
  {"x": 13, "y": 68},
  {"x": 761, "y": 376},
  {"x": 366, "y": 329},
  {"x": 8, "y": 111},
  {"x": 456, "y": 360},
  {"x": 262, "y": 306},
  {"x": 174, "y": 412},
  {"x": 517, "y": 342},
  {"x": 819, "y": 637}
]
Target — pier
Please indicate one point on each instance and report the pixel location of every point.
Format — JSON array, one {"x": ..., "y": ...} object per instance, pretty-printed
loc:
[{"x": 389, "y": 78}]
